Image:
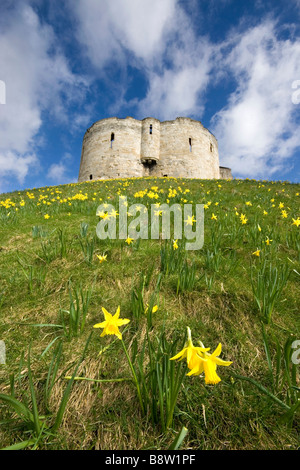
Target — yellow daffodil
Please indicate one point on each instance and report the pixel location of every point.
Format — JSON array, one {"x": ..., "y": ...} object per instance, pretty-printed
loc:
[
  {"x": 46, "y": 216},
  {"x": 113, "y": 213},
  {"x": 190, "y": 352},
  {"x": 214, "y": 217},
  {"x": 268, "y": 241},
  {"x": 101, "y": 258},
  {"x": 129, "y": 240},
  {"x": 284, "y": 214},
  {"x": 175, "y": 245},
  {"x": 208, "y": 363},
  {"x": 243, "y": 219},
  {"x": 256, "y": 253},
  {"x": 296, "y": 222},
  {"x": 111, "y": 324},
  {"x": 190, "y": 220},
  {"x": 154, "y": 309}
]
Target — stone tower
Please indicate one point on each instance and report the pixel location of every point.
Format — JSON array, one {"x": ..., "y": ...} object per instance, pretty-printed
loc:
[{"x": 124, "y": 148}]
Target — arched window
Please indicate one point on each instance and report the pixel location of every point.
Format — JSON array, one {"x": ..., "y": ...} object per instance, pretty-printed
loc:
[
  {"x": 91, "y": 177},
  {"x": 190, "y": 144},
  {"x": 112, "y": 138},
  {"x": 150, "y": 130}
]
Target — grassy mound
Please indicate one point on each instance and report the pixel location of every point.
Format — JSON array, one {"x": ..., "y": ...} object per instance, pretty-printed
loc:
[{"x": 63, "y": 386}]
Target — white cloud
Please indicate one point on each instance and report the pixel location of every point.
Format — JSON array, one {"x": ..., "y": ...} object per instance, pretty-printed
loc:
[
  {"x": 155, "y": 37},
  {"x": 257, "y": 131},
  {"x": 108, "y": 28},
  {"x": 38, "y": 80},
  {"x": 174, "y": 93},
  {"x": 13, "y": 164}
]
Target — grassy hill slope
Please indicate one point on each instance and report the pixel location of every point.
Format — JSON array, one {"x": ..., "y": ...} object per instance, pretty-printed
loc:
[{"x": 241, "y": 289}]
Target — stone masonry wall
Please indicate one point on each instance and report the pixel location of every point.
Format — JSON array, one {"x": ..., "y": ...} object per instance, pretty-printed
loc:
[
  {"x": 123, "y": 148},
  {"x": 225, "y": 173}
]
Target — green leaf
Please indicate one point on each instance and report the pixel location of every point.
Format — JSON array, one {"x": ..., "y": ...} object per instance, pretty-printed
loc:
[
  {"x": 33, "y": 399},
  {"x": 18, "y": 407},
  {"x": 20, "y": 445},
  {"x": 179, "y": 439},
  {"x": 67, "y": 392}
]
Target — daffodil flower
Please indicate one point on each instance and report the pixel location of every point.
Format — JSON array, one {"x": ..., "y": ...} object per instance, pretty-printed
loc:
[
  {"x": 207, "y": 364},
  {"x": 190, "y": 220},
  {"x": 111, "y": 324},
  {"x": 296, "y": 222},
  {"x": 268, "y": 241},
  {"x": 154, "y": 309},
  {"x": 190, "y": 352},
  {"x": 101, "y": 258}
]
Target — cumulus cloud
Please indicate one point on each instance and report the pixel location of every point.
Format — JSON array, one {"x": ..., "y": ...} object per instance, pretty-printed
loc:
[
  {"x": 37, "y": 79},
  {"x": 12, "y": 163},
  {"x": 156, "y": 38},
  {"x": 110, "y": 28},
  {"x": 257, "y": 130}
]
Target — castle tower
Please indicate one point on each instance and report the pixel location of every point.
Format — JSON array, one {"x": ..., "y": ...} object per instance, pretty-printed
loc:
[
  {"x": 124, "y": 148},
  {"x": 111, "y": 149}
]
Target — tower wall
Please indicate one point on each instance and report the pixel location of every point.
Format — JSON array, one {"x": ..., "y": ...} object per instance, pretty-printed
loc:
[
  {"x": 111, "y": 149},
  {"x": 225, "y": 173},
  {"x": 124, "y": 148},
  {"x": 188, "y": 150},
  {"x": 150, "y": 144}
]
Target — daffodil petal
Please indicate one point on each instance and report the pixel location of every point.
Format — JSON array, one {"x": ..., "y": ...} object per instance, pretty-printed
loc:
[
  {"x": 180, "y": 355},
  {"x": 107, "y": 315},
  {"x": 217, "y": 351},
  {"x": 100, "y": 325},
  {"x": 117, "y": 314},
  {"x": 220, "y": 362}
]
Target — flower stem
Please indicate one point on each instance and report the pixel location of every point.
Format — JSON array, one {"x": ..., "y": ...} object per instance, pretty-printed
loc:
[{"x": 99, "y": 380}]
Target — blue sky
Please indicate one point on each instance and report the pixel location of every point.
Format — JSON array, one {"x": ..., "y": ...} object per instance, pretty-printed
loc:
[{"x": 234, "y": 65}]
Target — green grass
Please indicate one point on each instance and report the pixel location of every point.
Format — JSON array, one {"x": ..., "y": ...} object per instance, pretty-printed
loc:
[{"x": 52, "y": 288}]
